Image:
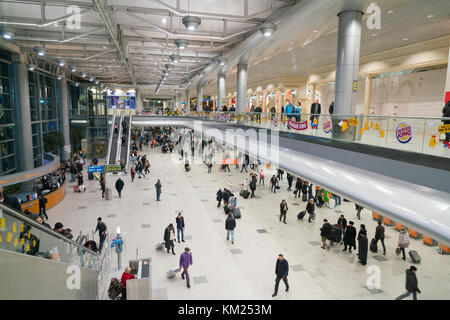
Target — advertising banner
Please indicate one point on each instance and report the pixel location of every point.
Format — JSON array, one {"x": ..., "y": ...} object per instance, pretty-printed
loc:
[
  {"x": 298, "y": 125},
  {"x": 121, "y": 102}
]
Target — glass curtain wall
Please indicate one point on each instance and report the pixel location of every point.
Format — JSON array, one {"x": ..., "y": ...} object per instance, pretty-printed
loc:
[{"x": 7, "y": 121}]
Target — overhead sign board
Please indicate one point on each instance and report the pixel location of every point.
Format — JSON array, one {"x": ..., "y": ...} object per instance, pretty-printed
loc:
[{"x": 94, "y": 169}]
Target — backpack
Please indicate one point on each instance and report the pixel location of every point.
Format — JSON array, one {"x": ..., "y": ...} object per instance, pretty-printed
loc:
[{"x": 114, "y": 289}]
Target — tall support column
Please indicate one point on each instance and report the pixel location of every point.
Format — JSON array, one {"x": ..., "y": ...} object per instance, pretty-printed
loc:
[
  {"x": 447, "y": 82},
  {"x": 187, "y": 106},
  {"x": 199, "y": 98},
  {"x": 367, "y": 90},
  {"x": 65, "y": 118},
  {"x": 220, "y": 90},
  {"x": 241, "y": 87},
  {"x": 139, "y": 107},
  {"x": 24, "y": 118},
  {"x": 347, "y": 62}
]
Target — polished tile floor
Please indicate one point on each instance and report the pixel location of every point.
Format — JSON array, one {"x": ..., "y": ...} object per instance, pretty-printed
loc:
[{"x": 245, "y": 269}]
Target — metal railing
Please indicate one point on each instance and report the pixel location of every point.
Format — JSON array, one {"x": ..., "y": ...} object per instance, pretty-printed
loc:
[
  {"x": 111, "y": 137},
  {"x": 119, "y": 139}
]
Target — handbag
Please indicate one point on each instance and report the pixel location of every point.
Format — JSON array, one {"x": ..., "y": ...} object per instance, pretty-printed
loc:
[{"x": 397, "y": 251}]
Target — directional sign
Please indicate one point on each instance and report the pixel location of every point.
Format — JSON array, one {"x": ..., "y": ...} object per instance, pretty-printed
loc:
[
  {"x": 112, "y": 168},
  {"x": 96, "y": 169}
]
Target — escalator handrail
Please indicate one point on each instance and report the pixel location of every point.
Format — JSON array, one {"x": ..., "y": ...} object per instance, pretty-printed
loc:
[
  {"x": 42, "y": 228},
  {"x": 129, "y": 142},
  {"x": 119, "y": 140},
  {"x": 110, "y": 138}
]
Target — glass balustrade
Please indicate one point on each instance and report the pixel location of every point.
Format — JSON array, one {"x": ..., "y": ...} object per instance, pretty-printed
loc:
[{"x": 413, "y": 134}]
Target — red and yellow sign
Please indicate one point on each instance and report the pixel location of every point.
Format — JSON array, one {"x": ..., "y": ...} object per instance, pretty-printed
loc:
[
  {"x": 444, "y": 128},
  {"x": 353, "y": 122}
]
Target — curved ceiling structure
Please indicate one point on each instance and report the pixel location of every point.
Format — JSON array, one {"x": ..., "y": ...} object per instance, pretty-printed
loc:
[{"x": 423, "y": 209}]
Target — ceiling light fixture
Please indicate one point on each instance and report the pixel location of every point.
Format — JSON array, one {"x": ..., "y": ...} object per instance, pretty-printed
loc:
[
  {"x": 181, "y": 43},
  {"x": 59, "y": 77},
  {"x": 168, "y": 66},
  {"x": 191, "y": 22},
  {"x": 164, "y": 20},
  {"x": 267, "y": 29},
  {"x": 173, "y": 58},
  {"x": 77, "y": 84},
  {"x": 91, "y": 79},
  {"x": 430, "y": 16},
  {"x": 72, "y": 68},
  {"x": 390, "y": 11},
  {"x": 40, "y": 51},
  {"x": 220, "y": 61},
  {"x": 83, "y": 75},
  {"x": 60, "y": 62},
  {"x": 8, "y": 35},
  {"x": 165, "y": 71},
  {"x": 30, "y": 67}
]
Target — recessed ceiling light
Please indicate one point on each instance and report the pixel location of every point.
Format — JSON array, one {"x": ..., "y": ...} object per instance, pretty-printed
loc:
[
  {"x": 315, "y": 31},
  {"x": 181, "y": 43},
  {"x": 430, "y": 16},
  {"x": 60, "y": 62},
  {"x": 374, "y": 34},
  {"x": 30, "y": 67},
  {"x": 405, "y": 39},
  {"x": 59, "y": 77},
  {"x": 164, "y": 20},
  {"x": 72, "y": 68},
  {"x": 390, "y": 11}
]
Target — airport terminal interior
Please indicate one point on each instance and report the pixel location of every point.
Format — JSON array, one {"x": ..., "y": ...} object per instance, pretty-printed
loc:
[{"x": 224, "y": 150}]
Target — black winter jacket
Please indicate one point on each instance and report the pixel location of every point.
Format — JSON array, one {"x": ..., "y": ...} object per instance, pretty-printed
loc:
[
  {"x": 230, "y": 223},
  {"x": 282, "y": 268},
  {"x": 411, "y": 281},
  {"x": 325, "y": 230}
]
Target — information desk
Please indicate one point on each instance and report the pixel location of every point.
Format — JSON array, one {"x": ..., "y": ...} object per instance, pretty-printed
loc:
[{"x": 53, "y": 199}]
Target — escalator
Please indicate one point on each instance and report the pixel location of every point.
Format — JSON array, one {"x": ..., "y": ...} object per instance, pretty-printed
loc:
[
  {"x": 114, "y": 146},
  {"x": 39, "y": 263},
  {"x": 124, "y": 147}
]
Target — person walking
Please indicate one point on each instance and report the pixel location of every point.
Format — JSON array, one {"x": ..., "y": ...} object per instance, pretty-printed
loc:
[
  {"x": 283, "y": 210},
  {"x": 185, "y": 262},
  {"x": 358, "y": 211},
  {"x": 403, "y": 243},
  {"x": 281, "y": 271},
  {"x": 180, "y": 227},
  {"x": 324, "y": 232},
  {"x": 298, "y": 187},
  {"x": 158, "y": 187},
  {"x": 253, "y": 187},
  {"x": 219, "y": 197},
  {"x": 379, "y": 235},
  {"x": 101, "y": 228},
  {"x": 310, "y": 208},
  {"x": 290, "y": 178},
  {"x": 273, "y": 184},
  {"x": 349, "y": 237},
  {"x": 119, "y": 186},
  {"x": 363, "y": 245},
  {"x": 103, "y": 186},
  {"x": 169, "y": 238},
  {"x": 411, "y": 284},
  {"x": 42, "y": 205},
  {"x": 230, "y": 225},
  {"x": 261, "y": 177}
]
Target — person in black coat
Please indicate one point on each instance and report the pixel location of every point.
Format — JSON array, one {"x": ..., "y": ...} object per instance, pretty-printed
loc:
[
  {"x": 342, "y": 222},
  {"x": 180, "y": 227},
  {"x": 290, "y": 178},
  {"x": 119, "y": 186},
  {"x": 219, "y": 197},
  {"x": 349, "y": 237},
  {"x": 282, "y": 271},
  {"x": 324, "y": 232},
  {"x": 42, "y": 204},
  {"x": 446, "y": 114},
  {"x": 363, "y": 245},
  {"x": 331, "y": 108},
  {"x": 169, "y": 237},
  {"x": 411, "y": 284},
  {"x": 315, "y": 110},
  {"x": 298, "y": 187},
  {"x": 230, "y": 225},
  {"x": 10, "y": 201},
  {"x": 310, "y": 209}
]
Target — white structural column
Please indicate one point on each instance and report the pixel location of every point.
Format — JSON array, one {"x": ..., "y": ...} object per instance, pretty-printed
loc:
[
  {"x": 220, "y": 90},
  {"x": 24, "y": 121},
  {"x": 367, "y": 90},
  {"x": 199, "y": 98},
  {"x": 65, "y": 118},
  {"x": 187, "y": 106},
  {"x": 139, "y": 107},
  {"x": 241, "y": 87},
  {"x": 447, "y": 82},
  {"x": 347, "y": 62}
]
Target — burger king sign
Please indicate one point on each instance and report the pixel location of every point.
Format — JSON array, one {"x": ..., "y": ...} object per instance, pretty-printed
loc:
[{"x": 404, "y": 132}]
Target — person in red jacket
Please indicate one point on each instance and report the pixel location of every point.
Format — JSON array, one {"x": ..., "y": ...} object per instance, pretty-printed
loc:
[{"x": 123, "y": 281}]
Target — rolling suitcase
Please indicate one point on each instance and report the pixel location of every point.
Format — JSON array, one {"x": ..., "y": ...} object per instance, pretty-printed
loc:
[
  {"x": 304, "y": 197},
  {"x": 245, "y": 194},
  {"x": 335, "y": 233},
  {"x": 237, "y": 213},
  {"x": 414, "y": 255},
  {"x": 76, "y": 188},
  {"x": 159, "y": 246},
  {"x": 226, "y": 209},
  {"x": 301, "y": 214},
  {"x": 373, "y": 245},
  {"x": 171, "y": 273}
]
